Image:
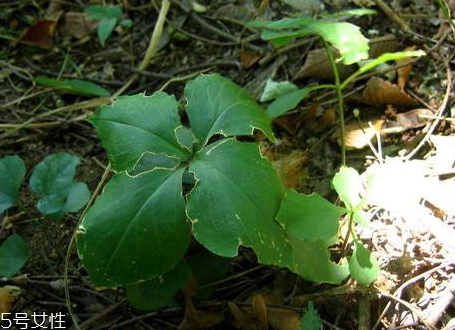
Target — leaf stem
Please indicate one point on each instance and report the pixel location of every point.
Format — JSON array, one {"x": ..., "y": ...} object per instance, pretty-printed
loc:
[{"x": 338, "y": 88}]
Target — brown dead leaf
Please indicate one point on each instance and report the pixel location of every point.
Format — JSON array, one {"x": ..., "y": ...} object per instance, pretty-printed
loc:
[
  {"x": 248, "y": 59},
  {"x": 292, "y": 168},
  {"x": 317, "y": 120},
  {"x": 6, "y": 300},
  {"x": 408, "y": 120},
  {"x": 243, "y": 319},
  {"x": 381, "y": 92},
  {"x": 78, "y": 25},
  {"x": 195, "y": 319},
  {"x": 358, "y": 135},
  {"x": 381, "y": 45},
  {"x": 260, "y": 311},
  {"x": 283, "y": 319},
  {"x": 404, "y": 71},
  {"x": 40, "y": 34},
  {"x": 317, "y": 66}
]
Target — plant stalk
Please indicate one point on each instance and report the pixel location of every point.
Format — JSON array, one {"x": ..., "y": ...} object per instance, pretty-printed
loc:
[{"x": 338, "y": 89}]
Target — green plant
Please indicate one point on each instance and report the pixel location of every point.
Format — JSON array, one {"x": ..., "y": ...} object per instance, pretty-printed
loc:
[
  {"x": 52, "y": 179},
  {"x": 199, "y": 180},
  {"x": 14, "y": 254},
  {"x": 352, "y": 47},
  {"x": 230, "y": 194},
  {"x": 109, "y": 17},
  {"x": 12, "y": 173},
  {"x": 73, "y": 86}
]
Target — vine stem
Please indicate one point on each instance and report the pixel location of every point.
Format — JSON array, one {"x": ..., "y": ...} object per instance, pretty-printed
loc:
[{"x": 338, "y": 88}]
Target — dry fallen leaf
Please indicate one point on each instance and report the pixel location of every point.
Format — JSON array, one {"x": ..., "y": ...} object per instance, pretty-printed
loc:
[
  {"x": 78, "y": 25},
  {"x": 195, "y": 319},
  {"x": 260, "y": 311},
  {"x": 243, "y": 319},
  {"x": 6, "y": 300},
  {"x": 40, "y": 34},
  {"x": 317, "y": 66},
  {"x": 408, "y": 120},
  {"x": 381, "y": 92},
  {"x": 383, "y": 44},
  {"x": 292, "y": 168},
  {"x": 283, "y": 319},
  {"x": 404, "y": 71},
  {"x": 248, "y": 59},
  {"x": 359, "y": 134}
]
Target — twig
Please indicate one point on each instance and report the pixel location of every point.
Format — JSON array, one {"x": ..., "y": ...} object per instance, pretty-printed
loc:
[
  {"x": 417, "y": 312},
  {"x": 438, "y": 114},
  {"x": 400, "y": 289},
  {"x": 152, "y": 47},
  {"x": 103, "y": 313},
  {"x": 94, "y": 103},
  {"x": 391, "y": 14},
  {"x": 71, "y": 245}
]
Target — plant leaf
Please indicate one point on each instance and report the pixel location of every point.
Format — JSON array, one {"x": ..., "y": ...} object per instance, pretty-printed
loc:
[
  {"x": 363, "y": 265},
  {"x": 73, "y": 86},
  {"x": 13, "y": 255},
  {"x": 216, "y": 105},
  {"x": 100, "y": 12},
  {"x": 274, "y": 89},
  {"x": 54, "y": 173},
  {"x": 78, "y": 196},
  {"x": 135, "y": 124},
  {"x": 309, "y": 217},
  {"x": 310, "y": 319},
  {"x": 345, "y": 37},
  {"x": 235, "y": 200},
  {"x": 12, "y": 173},
  {"x": 350, "y": 13},
  {"x": 139, "y": 237},
  {"x": 313, "y": 262},
  {"x": 105, "y": 28},
  {"x": 390, "y": 57},
  {"x": 348, "y": 185},
  {"x": 52, "y": 179},
  {"x": 160, "y": 291},
  {"x": 287, "y": 102}
]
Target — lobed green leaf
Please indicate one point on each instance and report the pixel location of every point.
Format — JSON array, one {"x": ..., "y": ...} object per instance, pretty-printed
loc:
[
  {"x": 52, "y": 179},
  {"x": 136, "y": 124},
  {"x": 309, "y": 217},
  {"x": 216, "y": 105},
  {"x": 235, "y": 200},
  {"x": 136, "y": 237}
]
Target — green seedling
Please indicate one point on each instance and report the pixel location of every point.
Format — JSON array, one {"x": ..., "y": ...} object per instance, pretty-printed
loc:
[
  {"x": 233, "y": 197},
  {"x": 109, "y": 17},
  {"x": 52, "y": 180}
]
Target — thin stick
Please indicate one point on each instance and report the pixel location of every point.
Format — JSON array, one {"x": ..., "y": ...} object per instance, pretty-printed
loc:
[
  {"x": 152, "y": 47},
  {"x": 71, "y": 245},
  {"x": 438, "y": 115}
]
